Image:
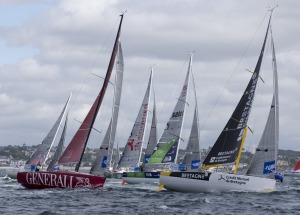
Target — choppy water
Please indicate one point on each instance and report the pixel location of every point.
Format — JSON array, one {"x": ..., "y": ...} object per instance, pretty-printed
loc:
[{"x": 144, "y": 199}]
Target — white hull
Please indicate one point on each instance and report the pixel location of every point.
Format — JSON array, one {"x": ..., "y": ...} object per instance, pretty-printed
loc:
[
  {"x": 215, "y": 182},
  {"x": 135, "y": 180},
  {"x": 13, "y": 171}
]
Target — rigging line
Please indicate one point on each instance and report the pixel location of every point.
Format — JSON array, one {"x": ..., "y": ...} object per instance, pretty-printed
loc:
[
  {"x": 100, "y": 52},
  {"x": 232, "y": 73}
]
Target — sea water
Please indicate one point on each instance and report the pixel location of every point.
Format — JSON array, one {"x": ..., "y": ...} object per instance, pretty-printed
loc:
[{"x": 115, "y": 198}]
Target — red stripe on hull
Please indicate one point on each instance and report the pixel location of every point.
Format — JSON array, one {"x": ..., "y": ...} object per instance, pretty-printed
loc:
[{"x": 60, "y": 179}]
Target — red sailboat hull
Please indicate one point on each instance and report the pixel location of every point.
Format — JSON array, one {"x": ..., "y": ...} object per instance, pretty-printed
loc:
[{"x": 59, "y": 179}]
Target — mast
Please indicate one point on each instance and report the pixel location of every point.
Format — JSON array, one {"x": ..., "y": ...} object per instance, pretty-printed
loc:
[{"x": 103, "y": 90}]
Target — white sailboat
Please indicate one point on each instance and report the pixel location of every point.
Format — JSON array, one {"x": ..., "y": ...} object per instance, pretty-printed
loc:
[
  {"x": 166, "y": 152},
  {"x": 227, "y": 150},
  {"x": 41, "y": 154}
]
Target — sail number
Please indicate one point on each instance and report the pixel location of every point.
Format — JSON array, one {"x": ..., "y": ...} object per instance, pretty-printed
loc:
[{"x": 177, "y": 114}]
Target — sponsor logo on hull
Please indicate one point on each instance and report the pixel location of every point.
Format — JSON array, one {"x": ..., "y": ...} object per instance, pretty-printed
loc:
[
  {"x": 59, "y": 180},
  {"x": 233, "y": 179},
  {"x": 192, "y": 175}
]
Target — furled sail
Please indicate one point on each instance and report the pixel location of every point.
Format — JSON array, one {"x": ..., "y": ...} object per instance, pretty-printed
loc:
[
  {"x": 59, "y": 149},
  {"x": 152, "y": 143},
  {"x": 265, "y": 157},
  {"x": 41, "y": 153},
  {"x": 104, "y": 154},
  {"x": 227, "y": 147},
  {"x": 132, "y": 151},
  {"x": 168, "y": 144},
  {"x": 74, "y": 151}
]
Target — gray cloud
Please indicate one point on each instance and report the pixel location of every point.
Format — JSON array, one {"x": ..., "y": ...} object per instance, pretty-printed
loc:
[{"x": 74, "y": 38}]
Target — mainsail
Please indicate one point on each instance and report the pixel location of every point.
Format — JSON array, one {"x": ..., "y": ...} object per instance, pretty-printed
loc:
[
  {"x": 132, "y": 151},
  {"x": 103, "y": 157},
  {"x": 152, "y": 143},
  {"x": 74, "y": 152},
  {"x": 265, "y": 157},
  {"x": 169, "y": 141},
  {"x": 41, "y": 153},
  {"x": 227, "y": 148},
  {"x": 192, "y": 152},
  {"x": 59, "y": 149}
]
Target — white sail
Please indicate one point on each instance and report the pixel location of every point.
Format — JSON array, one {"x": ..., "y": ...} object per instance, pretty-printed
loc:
[
  {"x": 152, "y": 143},
  {"x": 168, "y": 144},
  {"x": 192, "y": 152},
  {"x": 264, "y": 160},
  {"x": 103, "y": 157},
  {"x": 132, "y": 151},
  {"x": 41, "y": 153},
  {"x": 59, "y": 149}
]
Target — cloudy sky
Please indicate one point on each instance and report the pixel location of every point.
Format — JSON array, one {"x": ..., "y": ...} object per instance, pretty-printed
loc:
[{"x": 50, "y": 48}]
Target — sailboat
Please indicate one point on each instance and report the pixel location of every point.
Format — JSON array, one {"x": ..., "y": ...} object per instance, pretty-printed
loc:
[
  {"x": 130, "y": 159},
  {"x": 228, "y": 148},
  {"x": 295, "y": 172},
  {"x": 74, "y": 152},
  {"x": 166, "y": 151},
  {"x": 40, "y": 155}
]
